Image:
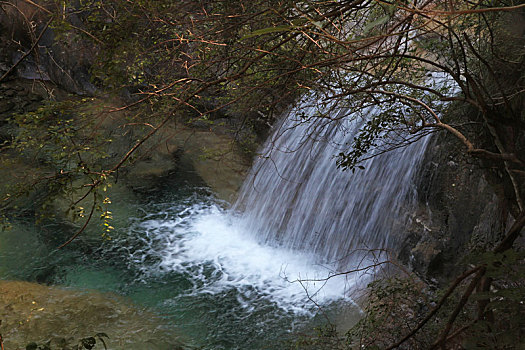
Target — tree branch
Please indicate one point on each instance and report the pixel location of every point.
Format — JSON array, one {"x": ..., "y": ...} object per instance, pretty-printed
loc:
[
  {"x": 511, "y": 235},
  {"x": 441, "y": 340},
  {"x": 83, "y": 227},
  {"x": 449, "y": 291},
  {"x": 35, "y": 43}
]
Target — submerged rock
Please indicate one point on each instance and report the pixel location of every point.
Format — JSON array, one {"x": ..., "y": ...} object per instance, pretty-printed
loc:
[{"x": 32, "y": 312}]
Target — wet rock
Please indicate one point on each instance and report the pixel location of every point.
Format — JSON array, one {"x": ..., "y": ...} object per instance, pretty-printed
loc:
[
  {"x": 216, "y": 159},
  {"x": 32, "y": 312},
  {"x": 459, "y": 212},
  {"x": 213, "y": 156}
]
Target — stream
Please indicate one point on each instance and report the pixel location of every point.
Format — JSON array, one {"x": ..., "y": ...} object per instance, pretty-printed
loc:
[{"x": 181, "y": 255}]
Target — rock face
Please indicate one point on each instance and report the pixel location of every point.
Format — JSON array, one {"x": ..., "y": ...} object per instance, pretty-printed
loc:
[
  {"x": 213, "y": 155},
  {"x": 32, "y": 312},
  {"x": 461, "y": 209},
  {"x": 62, "y": 60},
  {"x": 18, "y": 97},
  {"x": 63, "y": 68}
]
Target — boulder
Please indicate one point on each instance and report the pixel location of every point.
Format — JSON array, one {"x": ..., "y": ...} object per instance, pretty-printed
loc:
[{"x": 32, "y": 312}]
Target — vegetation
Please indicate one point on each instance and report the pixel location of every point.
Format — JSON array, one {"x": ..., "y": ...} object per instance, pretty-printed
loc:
[
  {"x": 249, "y": 60},
  {"x": 87, "y": 343}
]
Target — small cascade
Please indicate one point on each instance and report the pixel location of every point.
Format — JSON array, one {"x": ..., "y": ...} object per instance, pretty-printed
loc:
[{"x": 296, "y": 198}]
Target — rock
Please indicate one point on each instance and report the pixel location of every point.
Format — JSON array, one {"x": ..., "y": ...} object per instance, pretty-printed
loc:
[
  {"x": 216, "y": 159},
  {"x": 9, "y": 93},
  {"x": 459, "y": 211},
  {"x": 425, "y": 256},
  {"x": 213, "y": 156},
  {"x": 6, "y": 106},
  {"x": 34, "y": 97},
  {"x": 32, "y": 312}
]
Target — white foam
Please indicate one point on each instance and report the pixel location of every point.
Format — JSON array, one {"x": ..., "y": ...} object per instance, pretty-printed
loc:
[{"x": 210, "y": 244}]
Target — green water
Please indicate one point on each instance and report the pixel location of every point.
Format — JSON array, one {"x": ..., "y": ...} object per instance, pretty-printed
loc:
[{"x": 200, "y": 303}]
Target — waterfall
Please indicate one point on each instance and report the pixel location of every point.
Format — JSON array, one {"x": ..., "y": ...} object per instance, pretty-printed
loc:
[
  {"x": 298, "y": 219},
  {"x": 295, "y": 196}
]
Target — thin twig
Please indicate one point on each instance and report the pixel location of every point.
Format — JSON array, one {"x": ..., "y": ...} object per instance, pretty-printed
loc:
[
  {"x": 29, "y": 51},
  {"x": 37, "y": 5},
  {"x": 461, "y": 304},
  {"x": 436, "y": 308},
  {"x": 83, "y": 227},
  {"x": 456, "y": 12}
]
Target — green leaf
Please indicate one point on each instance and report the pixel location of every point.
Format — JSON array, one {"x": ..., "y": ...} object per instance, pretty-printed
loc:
[
  {"x": 377, "y": 22},
  {"x": 268, "y": 30}
]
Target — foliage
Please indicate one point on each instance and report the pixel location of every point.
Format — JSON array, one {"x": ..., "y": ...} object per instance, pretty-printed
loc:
[
  {"x": 259, "y": 56},
  {"x": 87, "y": 343},
  {"x": 250, "y": 60},
  {"x": 407, "y": 305},
  {"x": 397, "y": 305},
  {"x": 59, "y": 140},
  {"x": 323, "y": 337},
  {"x": 503, "y": 328}
]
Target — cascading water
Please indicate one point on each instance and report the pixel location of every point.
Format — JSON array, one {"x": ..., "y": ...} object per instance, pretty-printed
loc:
[
  {"x": 223, "y": 278},
  {"x": 298, "y": 217},
  {"x": 296, "y": 198}
]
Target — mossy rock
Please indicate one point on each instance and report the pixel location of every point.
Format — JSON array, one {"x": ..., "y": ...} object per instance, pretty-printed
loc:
[{"x": 32, "y": 312}]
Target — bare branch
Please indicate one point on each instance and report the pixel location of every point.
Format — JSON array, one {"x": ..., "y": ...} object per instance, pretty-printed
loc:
[
  {"x": 83, "y": 227},
  {"x": 438, "y": 306},
  {"x": 35, "y": 43},
  {"x": 461, "y": 304}
]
